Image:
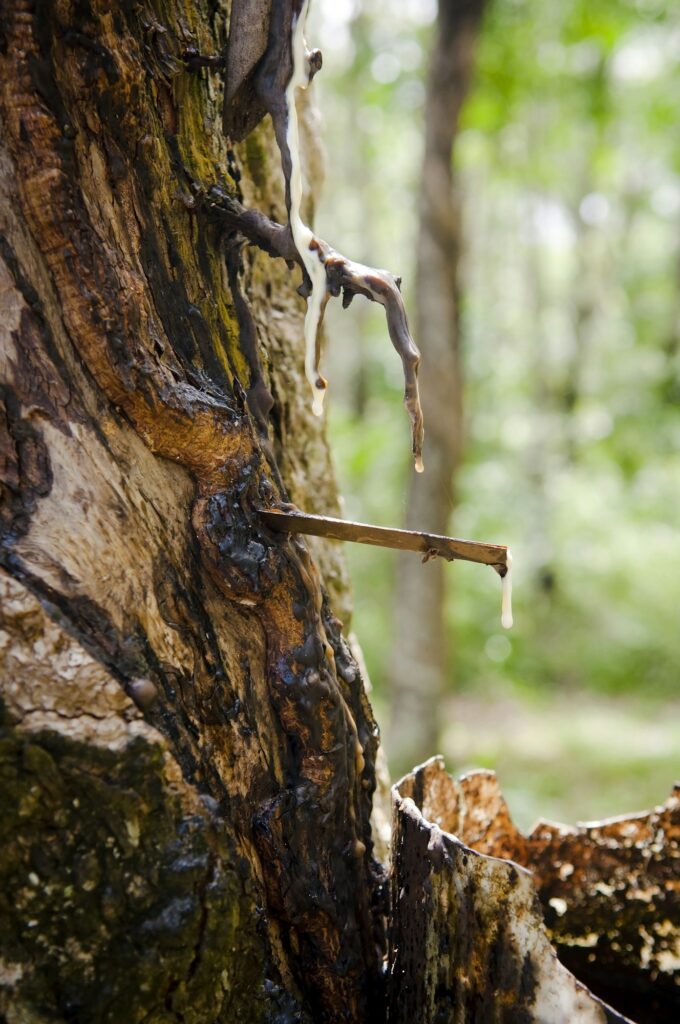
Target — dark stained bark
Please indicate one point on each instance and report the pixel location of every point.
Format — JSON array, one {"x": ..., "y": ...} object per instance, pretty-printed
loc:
[
  {"x": 121, "y": 890},
  {"x": 418, "y": 661},
  {"x": 476, "y": 904},
  {"x": 189, "y": 779},
  {"x": 608, "y": 889}
]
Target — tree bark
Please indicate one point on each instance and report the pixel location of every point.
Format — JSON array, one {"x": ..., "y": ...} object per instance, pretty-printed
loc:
[
  {"x": 479, "y": 910},
  {"x": 418, "y": 663},
  {"x": 187, "y": 749}
]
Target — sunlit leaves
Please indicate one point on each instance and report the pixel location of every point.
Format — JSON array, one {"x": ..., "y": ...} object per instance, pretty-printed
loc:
[{"x": 568, "y": 162}]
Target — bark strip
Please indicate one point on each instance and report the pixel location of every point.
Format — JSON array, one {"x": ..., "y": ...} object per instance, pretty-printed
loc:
[
  {"x": 427, "y": 544},
  {"x": 605, "y": 895},
  {"x": 467, "y": 937}
]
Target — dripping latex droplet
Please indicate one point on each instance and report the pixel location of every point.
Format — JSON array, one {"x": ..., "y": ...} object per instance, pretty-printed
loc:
[{"x": 506, "y": 595}]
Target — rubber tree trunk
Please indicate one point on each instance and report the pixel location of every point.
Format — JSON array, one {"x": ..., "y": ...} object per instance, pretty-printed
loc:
[
  {"x": 418, "y": 665},
  {"x": 187, "y": 752}
]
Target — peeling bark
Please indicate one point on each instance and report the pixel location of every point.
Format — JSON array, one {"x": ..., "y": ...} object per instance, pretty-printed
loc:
[{"x": 470, "y": 890}]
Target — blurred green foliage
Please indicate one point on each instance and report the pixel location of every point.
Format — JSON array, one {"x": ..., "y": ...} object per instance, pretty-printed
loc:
[{"x": 568, "y": 165}]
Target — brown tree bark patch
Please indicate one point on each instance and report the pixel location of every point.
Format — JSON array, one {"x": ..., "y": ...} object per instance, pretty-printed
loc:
[{"x": 471, "y": 882}]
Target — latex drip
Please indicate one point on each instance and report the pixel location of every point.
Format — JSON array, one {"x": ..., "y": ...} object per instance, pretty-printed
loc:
[{"x": 302, "y": 234}]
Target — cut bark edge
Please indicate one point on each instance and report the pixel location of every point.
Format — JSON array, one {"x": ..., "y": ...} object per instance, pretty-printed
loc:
[{"x": 466, "y": 881}]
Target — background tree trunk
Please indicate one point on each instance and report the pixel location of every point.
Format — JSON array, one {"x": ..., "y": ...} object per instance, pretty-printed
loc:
[
  {"x": 187, "y": 751},
  {"x": 418, "y": 665}
]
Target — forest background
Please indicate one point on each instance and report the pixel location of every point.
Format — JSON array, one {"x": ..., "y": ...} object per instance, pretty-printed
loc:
[{"x": 567, "y": 166}]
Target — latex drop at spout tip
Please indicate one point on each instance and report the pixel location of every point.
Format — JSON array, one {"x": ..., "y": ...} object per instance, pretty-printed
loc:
[
  {"x": 420, "y": 468},
  {"x": 317, "y": 403},
  {"x": 506, "y": 595}
]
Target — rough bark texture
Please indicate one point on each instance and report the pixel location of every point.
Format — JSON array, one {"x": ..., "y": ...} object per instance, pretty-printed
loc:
[
  {"x": 418, "y": 664},
  {"x": 120, "y": 890},
  {"x": 187, "y": 750},
  {"x": 605, "y": 894},
  {"x": 608, "y": 889}
]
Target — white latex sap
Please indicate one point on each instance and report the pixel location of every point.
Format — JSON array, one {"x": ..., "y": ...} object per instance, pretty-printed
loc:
[
  {"x": 302, "y": 235},
  {"x": 506, "y": 595}
]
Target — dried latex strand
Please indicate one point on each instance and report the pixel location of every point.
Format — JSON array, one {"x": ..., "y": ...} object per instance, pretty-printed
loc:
[
  {"x": 341, "y": 276},
  {"x": 275, "y": 76},
  {"x": 302, "y": 235},
  {"x": 328, "y": 272}
]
